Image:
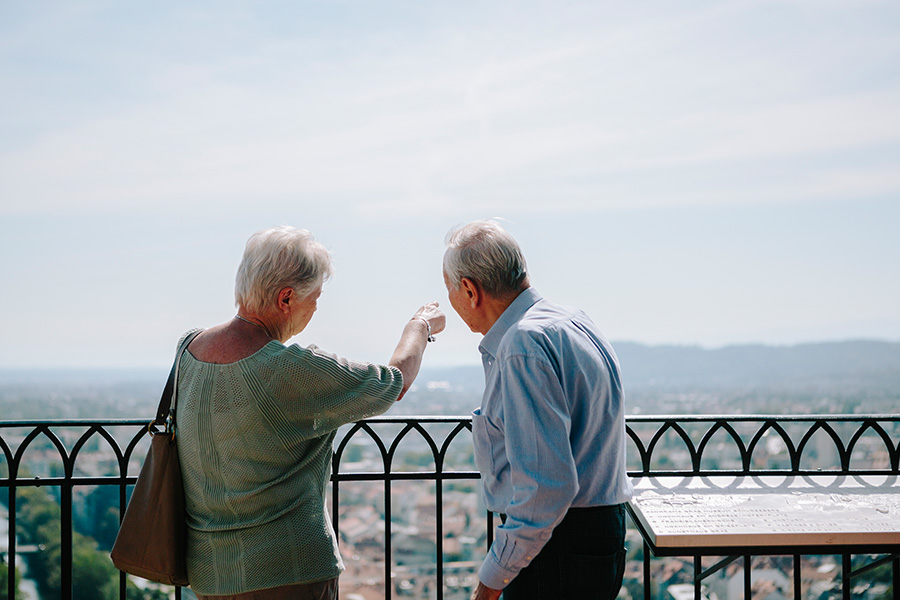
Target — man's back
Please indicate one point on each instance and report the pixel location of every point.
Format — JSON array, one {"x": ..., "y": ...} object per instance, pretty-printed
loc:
[{"x": 566, "y": 341}]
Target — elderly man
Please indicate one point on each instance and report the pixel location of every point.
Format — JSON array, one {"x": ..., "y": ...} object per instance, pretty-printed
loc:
[{"x": 550, "y": 434}]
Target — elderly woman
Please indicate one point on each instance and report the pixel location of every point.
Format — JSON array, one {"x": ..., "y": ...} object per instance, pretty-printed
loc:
[{"x": 256, "y": 421}]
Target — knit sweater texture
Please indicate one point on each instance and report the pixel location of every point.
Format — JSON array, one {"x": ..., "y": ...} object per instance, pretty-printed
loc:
[{"x": 255, "y": 445}]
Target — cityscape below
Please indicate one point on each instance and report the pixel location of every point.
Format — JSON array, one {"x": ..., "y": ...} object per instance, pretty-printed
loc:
[{"x": 836, "y": 378}]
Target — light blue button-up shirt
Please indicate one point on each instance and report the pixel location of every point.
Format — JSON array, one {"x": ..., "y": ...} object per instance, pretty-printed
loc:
[{"x": 550, "y": 433}]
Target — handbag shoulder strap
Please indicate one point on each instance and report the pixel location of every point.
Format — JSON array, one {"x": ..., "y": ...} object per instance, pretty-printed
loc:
[{"x": 168, "y": 395}]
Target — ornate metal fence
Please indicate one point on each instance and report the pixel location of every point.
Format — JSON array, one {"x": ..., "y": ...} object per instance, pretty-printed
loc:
[{"x": 64, "y": 456}]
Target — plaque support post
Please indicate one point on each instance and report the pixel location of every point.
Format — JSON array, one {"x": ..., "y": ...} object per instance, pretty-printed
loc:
[
  {"x": 845, "y": 576},
  {"x": 748, "y": 563},
  {"x": 647, "y": 595},
  {"x": 698, "y": 565},
  {"x": 896, "y": 578},
  {"x": 797, "y": 579}
]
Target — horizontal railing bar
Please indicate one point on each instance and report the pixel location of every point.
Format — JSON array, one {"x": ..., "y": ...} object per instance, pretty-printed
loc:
[
  {"x": 406, "y": 475},
  {"x": 420, "y": 418},
  {"x": 454, "y": 475},
  {"x": 468, "y": 418},
  {"x": 70, "y": 481},
  {"x": 761, "y": 472},
  {"x": 130, "y": 480},
  {"x": 74, "y": 422},
  {"x": 755, "y": 418}
]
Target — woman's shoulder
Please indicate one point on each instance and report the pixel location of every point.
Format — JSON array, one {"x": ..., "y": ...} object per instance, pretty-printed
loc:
[{"x": 189, "y": 333}]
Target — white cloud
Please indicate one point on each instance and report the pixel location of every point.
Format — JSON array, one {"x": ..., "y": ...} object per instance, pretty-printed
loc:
[
  {"x": 843, "y": 123},
  {"x": 598, "y": 119}
]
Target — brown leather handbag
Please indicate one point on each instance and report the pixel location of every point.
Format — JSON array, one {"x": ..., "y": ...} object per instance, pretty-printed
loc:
[{"x": 152, "y": 539}]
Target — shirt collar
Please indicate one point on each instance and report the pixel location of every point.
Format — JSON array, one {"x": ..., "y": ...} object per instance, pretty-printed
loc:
[{"x": 515, "y": 311}]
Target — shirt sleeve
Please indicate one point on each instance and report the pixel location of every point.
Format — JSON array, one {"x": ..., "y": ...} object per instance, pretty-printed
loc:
[
  {"x": 336, "y": 390},
  {"x": 536, "y": 425}
]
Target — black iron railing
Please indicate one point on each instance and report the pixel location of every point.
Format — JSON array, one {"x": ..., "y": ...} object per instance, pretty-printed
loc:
[{"x": 65, "y": 456}]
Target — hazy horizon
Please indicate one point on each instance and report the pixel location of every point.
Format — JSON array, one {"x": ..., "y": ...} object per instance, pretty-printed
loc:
[{"x": 430, "y": 368}]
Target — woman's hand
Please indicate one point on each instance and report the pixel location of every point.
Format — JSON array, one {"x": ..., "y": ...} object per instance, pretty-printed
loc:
[{"x": 431, "y": 314}]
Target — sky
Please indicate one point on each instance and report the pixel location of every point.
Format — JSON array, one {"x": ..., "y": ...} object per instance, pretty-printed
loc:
[{"x": 689, "y": 173}]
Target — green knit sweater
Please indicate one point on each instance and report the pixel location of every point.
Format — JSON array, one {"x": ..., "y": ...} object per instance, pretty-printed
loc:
[{"x": 254, "y": 442}]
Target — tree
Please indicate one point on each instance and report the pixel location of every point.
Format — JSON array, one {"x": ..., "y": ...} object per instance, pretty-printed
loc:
[
  {"x": 4, "y": 582},
  {"x": 93, "y": 574},
  {"x": 133, "y": 592},
  {"x": 98, "y": 515}
]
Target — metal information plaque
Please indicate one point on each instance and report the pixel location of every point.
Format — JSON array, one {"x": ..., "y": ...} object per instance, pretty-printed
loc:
[{"x": 768, "y": 511}]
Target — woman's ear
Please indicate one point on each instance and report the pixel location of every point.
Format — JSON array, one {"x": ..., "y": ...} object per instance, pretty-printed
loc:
[{"x": 285, "y": 297}]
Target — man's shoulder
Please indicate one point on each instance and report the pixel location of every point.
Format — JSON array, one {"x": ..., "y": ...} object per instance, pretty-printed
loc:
[
  {"x": 549, "y": 323},
  {"x": 545, "y": 316},
  {"x": 541, "y": 323}
]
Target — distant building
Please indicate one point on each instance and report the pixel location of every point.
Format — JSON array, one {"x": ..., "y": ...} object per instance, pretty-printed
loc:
[
  {"x": 768, "y": 584},
  {"x": 685, "y": 591}
]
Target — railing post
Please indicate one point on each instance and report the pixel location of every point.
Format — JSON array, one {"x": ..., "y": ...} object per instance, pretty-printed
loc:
[
  {"x": 65, "y": 540},
  {"x": 388, "y": 588},
  {"x": 11, "y": 584},
  {"x": 123, "y": 503},
  {"x": 439, "y": 528},
  {"x": 490, "y": 529}
]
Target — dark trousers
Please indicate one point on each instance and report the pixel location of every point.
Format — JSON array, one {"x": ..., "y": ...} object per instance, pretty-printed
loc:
[{"x": 585, "y": 558}]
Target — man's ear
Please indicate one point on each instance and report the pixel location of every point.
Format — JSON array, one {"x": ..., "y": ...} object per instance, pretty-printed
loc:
[
  {"x": 473, "y": 292},
  {"x": 285, "y": 297}
]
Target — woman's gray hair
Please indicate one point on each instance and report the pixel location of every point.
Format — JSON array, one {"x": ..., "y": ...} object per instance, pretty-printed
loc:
[
  {"x": 277, "y": 258},
  {"x": 487, "y": 254}
]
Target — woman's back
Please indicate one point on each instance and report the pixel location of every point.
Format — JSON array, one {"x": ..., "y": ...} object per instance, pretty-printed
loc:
[{"x": 255, "y": 440}]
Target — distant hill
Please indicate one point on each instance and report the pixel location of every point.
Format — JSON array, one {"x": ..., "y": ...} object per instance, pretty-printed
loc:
[{"x": 863, "y": 365}]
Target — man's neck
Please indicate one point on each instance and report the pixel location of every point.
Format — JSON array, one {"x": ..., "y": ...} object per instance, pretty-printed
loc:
[{"x": 495, "y": 306}]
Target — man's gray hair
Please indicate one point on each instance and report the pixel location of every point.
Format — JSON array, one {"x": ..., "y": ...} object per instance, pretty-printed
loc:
[
  {"x": 277, "y": 258},
  {"x": 487, "y": 254}
]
